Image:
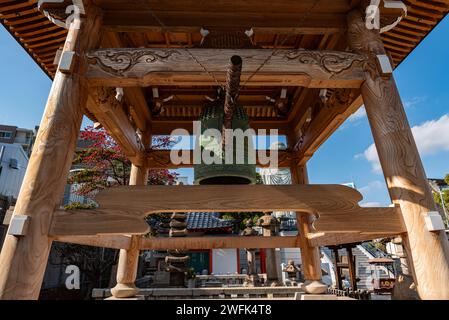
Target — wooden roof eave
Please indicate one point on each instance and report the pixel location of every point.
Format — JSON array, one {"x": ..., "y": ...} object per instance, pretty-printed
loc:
[{"x": 420, "y": 12}]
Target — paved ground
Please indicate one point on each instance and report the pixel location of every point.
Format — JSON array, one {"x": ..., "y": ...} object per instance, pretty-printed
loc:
[{"x": 380, "y": 296}]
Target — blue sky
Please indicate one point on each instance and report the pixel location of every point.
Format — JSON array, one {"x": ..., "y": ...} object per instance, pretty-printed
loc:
[{"x": 423, "y": 81}]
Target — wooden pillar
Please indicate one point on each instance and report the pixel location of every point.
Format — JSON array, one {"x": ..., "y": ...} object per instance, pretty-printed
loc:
[
  {"x": 337, "y": 270},
  {"x": 310, "y": 256},
  {"x": 24, "y": 257},
  {"x": 129, "y": 258},
  {"x": 351, "y": 268},
  {"x": 138, "y": 176},
  {"x": 402, "y": 167},
  {"x": 127, "y": 270}
]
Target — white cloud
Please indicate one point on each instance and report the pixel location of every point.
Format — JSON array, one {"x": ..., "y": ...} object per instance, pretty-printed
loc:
[
  {"x": 372, "y": 190},
  {"x": 410, "y": 103},
  {"x": 373, "y": 185},
  {"x": 371, "y": 155},
  {"x": 359, "y": 114},
  {"x": 371, "y": 204},
  {"x": 431, "y": 137}
]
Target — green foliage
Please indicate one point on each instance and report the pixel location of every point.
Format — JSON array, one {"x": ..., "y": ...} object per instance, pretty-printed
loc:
[
  {"x": 437, "y": 198},
  {"x": 444, "y": 196},
  {"x": 190, "y": 274},
  {"x": 258, "y": 178},
  {"x": 381, "y": 246},
  {"x": 78, "y": 205},
  {"x": 241, "y": 217},
  {"x": 103, "y": 164}
]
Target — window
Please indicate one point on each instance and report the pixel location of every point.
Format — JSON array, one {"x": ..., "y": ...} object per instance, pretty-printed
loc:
[
  {"x": 13, "y": 163},
  {"x": 5, "y": 134}
]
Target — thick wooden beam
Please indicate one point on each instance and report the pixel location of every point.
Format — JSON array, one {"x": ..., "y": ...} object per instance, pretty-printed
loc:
[
  {"x": 375, "y": 220},
  {"x": 111, "y": 114},
  {"x": 328, "y": 119},
  {"x": 188, "y": 17},
  {"x": 139, "y": 109},
  {"x": 134, "y": 97},
  {"x": 122, "y": 209},
  {"x": 102, "y": 241},
  {"x": 315, "y": 239},
  {"x": 204, "y": 243},
  {"x": 160, "y": 159},
  {"x": 147, "y": 67},
  {"x": 23, "y": 258},
  {"x": 321, "y": 239},
  {"x": 402, "y": 167},
  {"x": 94, "y": 222},
  {"x": 166, "y": 127}
]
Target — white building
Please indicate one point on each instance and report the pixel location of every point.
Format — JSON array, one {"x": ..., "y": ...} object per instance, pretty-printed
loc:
[{"x": 13, "y": 164}]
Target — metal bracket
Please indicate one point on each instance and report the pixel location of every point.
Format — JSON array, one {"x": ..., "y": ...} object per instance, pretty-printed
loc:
[
  {"x": 384, "y": 64},
  {"x": 434, "y": 222},
  {"x": 18, "y": 225},
  {"x": 67, "y": 61}
]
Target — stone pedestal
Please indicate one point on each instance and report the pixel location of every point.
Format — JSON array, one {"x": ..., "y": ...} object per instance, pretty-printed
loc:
[
  {"x": 124, "y": 291},
  {"x": 323, "y": 297},
  {"x": 132, "y": 298},
  {"x": 252, "y": 280},
  {"x": 315, "y": 287}
]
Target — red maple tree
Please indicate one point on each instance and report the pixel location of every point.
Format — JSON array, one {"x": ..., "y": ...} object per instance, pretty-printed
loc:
[{"x": 100, "y": 163}]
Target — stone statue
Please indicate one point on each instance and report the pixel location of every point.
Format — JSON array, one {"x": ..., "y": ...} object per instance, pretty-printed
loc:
[
  {"x": 291, "y": 270},
  {"x": 269, "y": 225},
  {"x": 249, "y": 231},
  {"x": 252, "y": 278}
]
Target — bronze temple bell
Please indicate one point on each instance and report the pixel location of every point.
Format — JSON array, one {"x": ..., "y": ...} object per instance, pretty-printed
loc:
[{"x": 225, "y": 113}]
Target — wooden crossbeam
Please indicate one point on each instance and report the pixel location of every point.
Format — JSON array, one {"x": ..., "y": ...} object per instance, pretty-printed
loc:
[
  {"x": 110, "y": 113},
  {"x": 322, "y": 125},
  {"x": 102, "y": 241},
  {"x": 135, "y": 97},
  {"x": 203, "y": 243},
  {"x": 160, "y": 159},
  {"x": 375, "y": 220},
  {"x": 165, "y": 127},
  {"x": 122, "y": 209},
  {"x": 321, "y": 239},
  {"x": 142, "y": 21},
  {"x": 147, "y": 67},
  {"x": 318, "y": 239}
]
